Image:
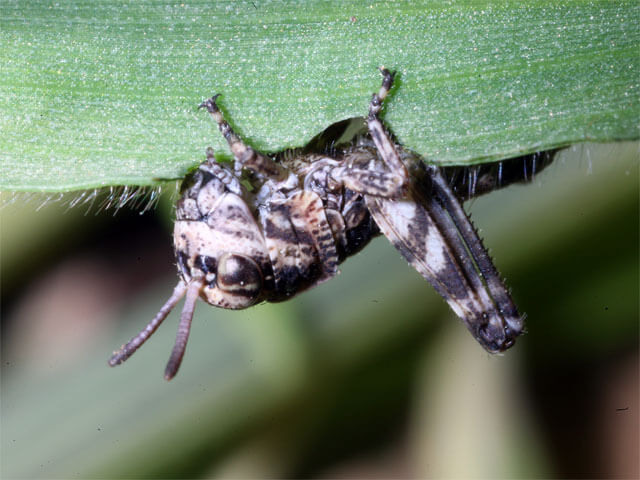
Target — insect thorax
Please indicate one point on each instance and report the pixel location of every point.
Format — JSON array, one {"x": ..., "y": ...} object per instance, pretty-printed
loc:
[{"x": 251, "y": 242}]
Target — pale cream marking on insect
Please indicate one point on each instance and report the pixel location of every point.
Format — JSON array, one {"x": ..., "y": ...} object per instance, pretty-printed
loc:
[
  {"x": 435, "y": 248},
  {"x": 404, "y": 211}
]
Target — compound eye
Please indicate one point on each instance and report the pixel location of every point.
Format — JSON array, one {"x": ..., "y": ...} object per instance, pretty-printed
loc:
[{"x": 239, "y": 275}]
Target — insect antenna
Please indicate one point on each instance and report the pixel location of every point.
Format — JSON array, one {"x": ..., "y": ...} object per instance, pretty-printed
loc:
[
  {"x": 193, "y": 291},
  {"x": 136, "y": 342}
]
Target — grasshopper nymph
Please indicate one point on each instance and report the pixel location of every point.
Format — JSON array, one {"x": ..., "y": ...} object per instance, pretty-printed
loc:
[{"x": 307, "y": 212}]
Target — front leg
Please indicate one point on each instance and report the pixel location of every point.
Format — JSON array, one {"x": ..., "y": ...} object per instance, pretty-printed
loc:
[{"x": 246, "y": 156}]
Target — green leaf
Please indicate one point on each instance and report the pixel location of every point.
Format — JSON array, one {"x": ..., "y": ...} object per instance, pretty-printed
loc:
[{"x": 105, "y": 93}]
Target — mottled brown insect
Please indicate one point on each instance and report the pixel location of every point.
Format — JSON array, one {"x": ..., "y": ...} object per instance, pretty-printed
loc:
[{"x": 273, "y": 226}]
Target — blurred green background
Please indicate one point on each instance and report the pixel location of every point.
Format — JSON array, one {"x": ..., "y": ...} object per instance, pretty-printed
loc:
[{"x": 369, "y": 375}]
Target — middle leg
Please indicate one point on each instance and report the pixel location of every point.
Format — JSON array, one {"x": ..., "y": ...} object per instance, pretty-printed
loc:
[
  {"x": 388, "y": 180},
  {"x": 384, "y": 144}
]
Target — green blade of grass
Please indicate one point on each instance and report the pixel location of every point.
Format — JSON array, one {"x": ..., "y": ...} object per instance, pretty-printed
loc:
[{"x": 98, "y": 94}]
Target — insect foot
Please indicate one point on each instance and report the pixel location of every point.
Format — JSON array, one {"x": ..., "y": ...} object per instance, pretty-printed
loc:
[{"x": 272, "y": 226}]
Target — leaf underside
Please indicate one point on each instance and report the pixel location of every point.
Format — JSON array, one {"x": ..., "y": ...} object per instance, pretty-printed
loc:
[{"x": 106, "y": 93}]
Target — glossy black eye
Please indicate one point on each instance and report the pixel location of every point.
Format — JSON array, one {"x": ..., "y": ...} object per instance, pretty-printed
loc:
[
  {"x": 239, "y": 275},
  {"x": 206, "y": 264}
]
